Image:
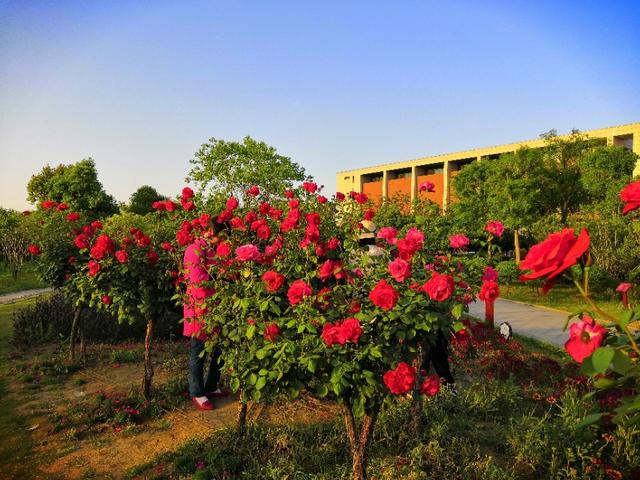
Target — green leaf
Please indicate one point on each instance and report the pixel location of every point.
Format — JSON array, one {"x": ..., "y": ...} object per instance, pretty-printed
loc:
[
  {"x": 262, "y": 381},
  {"x": 587, "y": 367},
  {"x": 322, "y": 391},
  {"x": 252, "y": 379},
  {"x": 260, "y": 354},
  {"x": 604, "y": 383},
  {"x": 621, "y": 362},
  {"x": 251, "y": 331},
  {"x": 590, "y": 420},
  {"x": 456, "y": 311},
  {"x": 311, "y": 366},
  {"x": 625, "y": 318},
  {"x": 234, "y": 384},
  {"x": 601, "y": 358}
]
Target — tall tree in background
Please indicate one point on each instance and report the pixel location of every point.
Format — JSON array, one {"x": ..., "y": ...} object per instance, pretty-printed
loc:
[
  {"x": 141, "y": 200},
  {"x": 230, "y": 168},
  {"x": 76, "y": 184}
]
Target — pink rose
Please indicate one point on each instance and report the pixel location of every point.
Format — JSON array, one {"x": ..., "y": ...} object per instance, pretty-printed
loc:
[
  {"x": 248, "y": 252},
  {"x": 458, "y": 241},
  {"x": 400, "y": 269}
]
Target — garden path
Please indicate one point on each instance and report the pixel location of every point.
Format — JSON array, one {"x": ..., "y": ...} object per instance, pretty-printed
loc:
[
  {"x": 540, "y": 323},
  {"x": 15, "y": 296}
]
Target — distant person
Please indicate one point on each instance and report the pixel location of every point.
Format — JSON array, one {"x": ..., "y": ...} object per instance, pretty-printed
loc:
[{"x": 198, "y": 257}]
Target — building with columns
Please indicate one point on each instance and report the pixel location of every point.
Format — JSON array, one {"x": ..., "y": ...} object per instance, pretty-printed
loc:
[{"x": 404, "y": 177}]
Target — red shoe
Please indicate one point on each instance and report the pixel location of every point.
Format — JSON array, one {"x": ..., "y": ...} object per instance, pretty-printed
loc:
[
  {"x": 206, "y": 405},
  {"x": 219, "y": 393}
]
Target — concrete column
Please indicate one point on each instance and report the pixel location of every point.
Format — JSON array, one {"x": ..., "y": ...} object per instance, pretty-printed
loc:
[
  {"x": 635, "y": 148},
  {"x": 610, "y": 140},
  {"x": 445, "y": 188},
  {"x": 384, "y": 183},
  {"x": 414, "y": 183}
]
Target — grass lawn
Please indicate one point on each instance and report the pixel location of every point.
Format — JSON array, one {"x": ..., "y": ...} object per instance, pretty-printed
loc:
[
  {"x": 27, "y": 280},
  {"x": 16, "y": 445},
  {"x": 561, "y": 298}
]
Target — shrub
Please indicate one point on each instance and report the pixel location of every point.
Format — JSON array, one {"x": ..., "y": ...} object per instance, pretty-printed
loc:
[
  {"x": 49, "y": 320},
  {"x": 508, "y": 271}
]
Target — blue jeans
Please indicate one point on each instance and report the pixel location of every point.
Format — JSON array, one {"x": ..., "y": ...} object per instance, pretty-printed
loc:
[{"x": 198, "y": 386}]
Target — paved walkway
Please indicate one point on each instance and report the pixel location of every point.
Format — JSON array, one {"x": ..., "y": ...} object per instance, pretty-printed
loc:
[
  {"x": 531, "y": 321},
  {"x": 16, "y": 296}
]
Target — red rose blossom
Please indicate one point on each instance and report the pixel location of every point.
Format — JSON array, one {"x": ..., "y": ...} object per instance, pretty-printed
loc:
[
  {"x": 152, "y": 257},
  {"x": 254, "y": 191},
  {"x": 106, "y": 299},
  {"x": 439, "y": 287},
  {"x": 495, "y": 227},
  {"x": 427, "y": 186},
  {"x": 400, "y": 380},
  {"x": 389, "y": 234},
  {"x": 297, "y": 291},
  {"x": 554, "y": 255},
  {"x": 82, "y": 241},
  {"x": 122, "y": 256},
  {"x": 489, "y": 291},
  {"x": 310, "y": 187},
  {"x": 384, "y": 295},
  {"x": 246, "y": 253},
  {"x": 223, "y": 249},
  {"x": 73, "y": 216},
  {"x": 94, "y": 267},
  {"x": 187, "y": 193},
  {"x": 272, "y": 281},
  {"x": 271, "y": 332},
  {"x": 585, "y": 337},
  {"x": 458, "y": 241},
  {"x": 430, "y": 386},
  {"x": 400, "y": 269},
  {"x": 490, "y": 274},
  {"x": 630, "y": 195},
  {"x": 34, "y": 250}
]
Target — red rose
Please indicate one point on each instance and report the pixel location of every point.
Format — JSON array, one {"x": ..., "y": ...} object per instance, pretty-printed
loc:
[
  {"x": 340, "y": 196},
  {"x": 584, "y": 337},
  {"x": 297, "y": 291},
  {"x": 439, "y": 287},
  {"x": 490, "y": 274},
  {"x": 73, "y": 216},
  {"x": 224, "y": 216},
  {"x": 331, "y": 334},
  {"x": 288, "y": 194},
  {"x": 254, "y": 191},
  {"x": 322, "y": 199},
  {"x": 61, "y": 207},
  {"x": 389, "y": 234},
  {"x": 271, "y": 332},
  {"x": 94, "y": 267},
  {"x": 102, "y": 246},
  {"x": 232, "y": 203},
  {"x": 264, "y": 232},
  {"x": 96, "y": 224},
  {"x": 310, "y": 187},
  {"x": 400, "y": 380},
  {"x": 354, "y": 307},
  {"x": 246, "y": 253},
  {"x": 350, "y": 330},
  {"x": 427, "y": 186},
  {"x": 34, "y": 249},
  {"x": 187, "y": 194},
  {"x": 81, "y": 241},
  {"x": 158, "y": 205},
  {"x": 430, "y": 386},
  {"x": 106, "y": 299},
  {"x": 554, "y": 255},
  {"x": 458, "y": 241},
  {"x": 495, "y": 227},
  {"x": 327, "y": 269},
  {"x": 333, "y": 243},
  {"x": 384, "y": 295},
  {"x": 169, "y": 206},
  {"x": 400, "y": 269},
  {"x": 272, "y": 281},
  {"x": 237, "y": 223},
  {"x": 152, "y": 257},
  {"x": 369, "y": 214},
  {"x": 48, "y": 204},
  {"x": 223, "y": 249},
  {"x": 489, "y": 291},
  {"x": 188, "y": 206},
  {"x": 629, "y": 195},
  {"x": 166, "y": 246},
  {"x": 122, "y": 256}
]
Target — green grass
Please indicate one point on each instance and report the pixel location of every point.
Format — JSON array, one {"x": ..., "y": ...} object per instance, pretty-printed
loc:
[
  {"x": 561, "y": 298},
  {"x": 27, "y": 280},
  {"x": 16, "y": 447}
]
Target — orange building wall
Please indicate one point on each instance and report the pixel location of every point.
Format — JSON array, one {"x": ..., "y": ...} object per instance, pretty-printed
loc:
[
  {"x": 373, "y": 190},
  {"x": 452, "y": 191},
  {"x": 399, "y": 186},
  {"x": 438, "y": 180}
]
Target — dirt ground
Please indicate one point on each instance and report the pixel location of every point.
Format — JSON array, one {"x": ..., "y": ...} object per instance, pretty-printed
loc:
[{"x": 106, "y": 452}]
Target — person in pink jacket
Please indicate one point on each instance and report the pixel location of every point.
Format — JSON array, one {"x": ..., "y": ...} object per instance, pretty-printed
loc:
[{"x": 197, "y": 259}]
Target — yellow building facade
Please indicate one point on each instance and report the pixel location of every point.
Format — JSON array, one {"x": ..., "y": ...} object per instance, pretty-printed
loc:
[{"x": 404, "y": 177}]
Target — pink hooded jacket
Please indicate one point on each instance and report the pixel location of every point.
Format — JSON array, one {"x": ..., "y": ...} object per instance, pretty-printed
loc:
[{"x": 197, "y": 258}]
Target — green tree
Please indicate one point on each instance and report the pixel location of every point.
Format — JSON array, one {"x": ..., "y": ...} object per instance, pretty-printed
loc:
[
  {"x": 16, "y": 232},
  {"x": 141, "y": 200},
  {"x": 223, "y": 168},
  {"x": 76, "y": 184}
]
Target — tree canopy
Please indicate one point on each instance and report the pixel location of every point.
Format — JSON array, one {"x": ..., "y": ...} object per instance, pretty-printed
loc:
[
  {"x": 76, "y": 184},
  {"x": 141, "y": 200},
  {"x": 230, "y": 168}
]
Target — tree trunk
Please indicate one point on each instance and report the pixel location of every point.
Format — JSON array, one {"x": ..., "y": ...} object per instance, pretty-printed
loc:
[
  {"x": 416, "y": 400},
  {"x": 242, "y": 417},
  {"x": 83, "y": 346},
  {"x": 359, "y": 441},
  {"x": 72, "y": 336},
  {"x": 516, "y": 245},
  {"x": 148, "y": 365}
]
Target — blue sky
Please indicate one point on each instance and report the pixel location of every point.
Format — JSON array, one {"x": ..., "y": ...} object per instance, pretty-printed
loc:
[{"x": 335, "y": 85}]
